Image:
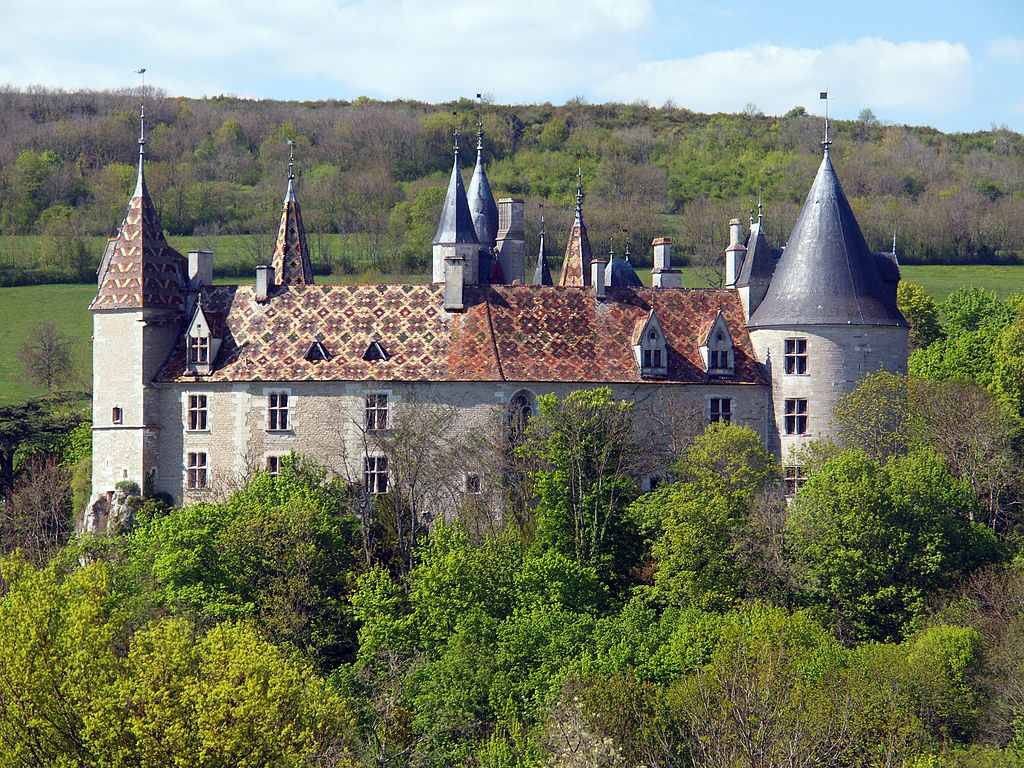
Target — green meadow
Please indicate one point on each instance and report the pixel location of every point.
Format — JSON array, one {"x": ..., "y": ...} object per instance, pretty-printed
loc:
[{"x": 68, "y": 306}]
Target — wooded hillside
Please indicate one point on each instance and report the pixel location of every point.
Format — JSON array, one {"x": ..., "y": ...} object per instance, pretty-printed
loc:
[{"x": 375, "y": 172}]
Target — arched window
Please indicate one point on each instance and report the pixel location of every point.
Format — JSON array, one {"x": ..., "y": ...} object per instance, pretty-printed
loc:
[{"x": 520, "y": 411}]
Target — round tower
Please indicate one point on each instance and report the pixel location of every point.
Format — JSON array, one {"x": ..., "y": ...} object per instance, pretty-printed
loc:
[{"x": 828, "y": 318}]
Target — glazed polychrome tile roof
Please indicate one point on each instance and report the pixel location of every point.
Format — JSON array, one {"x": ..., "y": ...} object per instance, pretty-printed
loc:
[
  {"x": 506, "y": 333},
  {"x": 291, "y": 254}
]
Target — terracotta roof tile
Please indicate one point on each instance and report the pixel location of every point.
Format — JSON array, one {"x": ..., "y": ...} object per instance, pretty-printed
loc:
[{"x": 512, "y": 333}]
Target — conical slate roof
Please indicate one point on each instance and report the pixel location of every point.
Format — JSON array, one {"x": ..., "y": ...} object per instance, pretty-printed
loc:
[
  {"x": 291, "y": 254},
  {"x": 542, "y": 274},
  {"x": 620, "y": 274},
  {"x": 456, "y": 225},
  {"x": 826, "y": 274},
  {"x": 482, "y": 207},
  {"x": 142, "y": 270},
  {"x": 758, "y": 264}
]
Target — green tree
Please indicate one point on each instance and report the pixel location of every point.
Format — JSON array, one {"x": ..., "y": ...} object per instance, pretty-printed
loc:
[
  {"x": 876, "y": 416},
  {"x": 585, "y": 456},
  {"x": 921, "y": 311}
]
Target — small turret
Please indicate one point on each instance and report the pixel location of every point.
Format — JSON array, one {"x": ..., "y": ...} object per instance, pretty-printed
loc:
[
  {"x": 542, "y": 274},
  {"x": 291, "y": 261},
  {"x": 456, "y": 236},
  {"x": 576, "y": 265}
]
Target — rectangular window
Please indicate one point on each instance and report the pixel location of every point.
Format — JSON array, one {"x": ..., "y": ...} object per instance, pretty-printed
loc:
[
  {"x": 719, "y": 358},
  {"x": 376, "y": 474},
  {"x": 796, "y": 356},
  {"x": 116, "y": 415},
  {"x": 376, "y": 411},
  {"x": 793, "y": 478},
  {"x": 199, "y": 349},
  {"x": 197, "y": 413},
  {"x": 472, "y": 483},
  {"x": 721, "y": 409},
  {"x": 277, "y": 411},
  {"x": 274, "y": 465},
  {"x": 796, "y": 417},
  {"x": 196, "y": 474}
]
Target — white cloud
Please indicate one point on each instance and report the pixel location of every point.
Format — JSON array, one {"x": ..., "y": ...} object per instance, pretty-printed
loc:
[
  {"x": 869, "y": 72},
  {"x": 1009, "y": 50}
]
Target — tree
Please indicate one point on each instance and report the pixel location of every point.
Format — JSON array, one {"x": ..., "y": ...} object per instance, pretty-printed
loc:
[
  {"x": 867, "y": 116},
  {"x": 585, "y": 459},
  {"x": 875, "y": 417},
  {"x": 37, "y": 424},
  {"x": 921, "y": 311},
  {"x": 873, "y": 542},
  {"x": 45, "y": 356}
]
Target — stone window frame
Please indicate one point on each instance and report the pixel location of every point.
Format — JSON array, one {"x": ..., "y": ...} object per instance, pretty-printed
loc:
[
  {"x": 117, "y": 415},
  {"x": 720, "y": 410},
  {"x": 199, "y": 350},
  {"x": 197, "y": 470},
  {"x": 375, "y": 474},
  {"x": 795, "y": 413},
  {"x": 273, "y": 464},
  {"x": 521, "y": 408},
  {"x": 279, "y": 406},
  {"x": 793, "y": 477},
  {"x": 795, "y": 356},
  {"x": 375, "y": 411},
  {"x": 197, "y": 413},
  {"x": 719, "y": 358}
]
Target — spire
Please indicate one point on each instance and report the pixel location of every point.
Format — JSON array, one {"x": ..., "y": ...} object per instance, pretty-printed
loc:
[
  {"x": 456, "y": 224},
  {"x": 759, "y": 210},
  {"x": 826, "y": 143},
  {"x": 542, "y": 275},
  {"x": 826, "y": 275},
  {"x": 291, "y": 261},
  {"x": 576, "y": 264},
  {"x": 481, "y": 200},
  {"x": 143, "y": 271}
]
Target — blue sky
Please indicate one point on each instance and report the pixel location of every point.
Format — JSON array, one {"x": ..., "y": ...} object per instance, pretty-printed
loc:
[{"x": 958, "y": 66}]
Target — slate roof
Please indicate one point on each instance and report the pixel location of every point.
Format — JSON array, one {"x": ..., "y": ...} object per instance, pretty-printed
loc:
[
  {"x": 826, "y": 274},
  {"x": 291, "y": 254},
  {"x": 506, "y": 333},
  {"x": 140, "y": 270},
  {"x": 456, "y": 224},
  {"x": 482, "y": 207},
  {"x": 542, "y": 274},
  {"x": 759, "y": 263}
]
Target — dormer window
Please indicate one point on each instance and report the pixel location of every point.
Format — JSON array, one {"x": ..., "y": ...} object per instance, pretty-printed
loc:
[
  {"x": 202, "y": 340},
  {"x": 651, "y": 350},
  {"x": 199, "y": 350},
  {"x": 718, "y": 351}
]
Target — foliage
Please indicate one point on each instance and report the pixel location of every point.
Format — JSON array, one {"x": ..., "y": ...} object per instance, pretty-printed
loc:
[
  {"x": 875, "y": 417},
  {"x": 921, "y": 311},
  {"x": 586, "y": 459},
  {"x": 37, "y": 424},
  {"x": 874, "y": 541}
]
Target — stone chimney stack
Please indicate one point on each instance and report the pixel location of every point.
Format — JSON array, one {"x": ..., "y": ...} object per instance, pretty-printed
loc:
[
  {"x": 734, "y": 254},
  {"x": 597, "y": 277},
  {"x": 454, "y": 283},
  {"x": 663, "y": 276},
  {"x": 263, "y": 279},
  {"x": 200, "y": 269},
  {"x": 511, "y": 241}
]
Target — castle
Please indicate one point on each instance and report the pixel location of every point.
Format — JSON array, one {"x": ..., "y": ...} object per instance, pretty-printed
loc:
[{"x": 196, "y": 383}]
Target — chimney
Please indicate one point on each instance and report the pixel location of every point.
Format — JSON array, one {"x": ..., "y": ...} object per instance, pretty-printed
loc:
[
  {"x": 734, "y": 254},
  {"x": 597, "y": 277},
  {"x": 454, "y": 274},
  {"x": 263, "y": 278},
  {"x": 663, "y": 276},
  {"x": 200, "y": 269},
  {"x": 510, "y": 245}
]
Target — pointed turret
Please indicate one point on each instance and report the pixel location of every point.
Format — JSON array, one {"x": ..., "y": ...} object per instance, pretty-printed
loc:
[
  {"x": 290, "y": 261},
  {"x": 141, "y": 271},
  {"x": 482, "y": 207},
  {"x": 826, "y": 274},
  {"x": 542, "y": 274},
  {"x": 455, "y": 233},
  {"x": 576, "y": 265}
]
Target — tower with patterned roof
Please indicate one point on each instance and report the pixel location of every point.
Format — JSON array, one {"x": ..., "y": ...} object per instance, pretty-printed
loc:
[
  {"x": 137, "y": 316},
  {"x": 576, "y": 265},
  {"x": 291, "y": 254},
  {"x": 828, "y": 316}
]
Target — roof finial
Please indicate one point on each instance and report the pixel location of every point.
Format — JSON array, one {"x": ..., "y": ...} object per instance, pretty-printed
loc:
[
  {"x": 894, "y": 242},
  {"x": 826, "y": 142},
  {"x": 140, "y": 184},
  {"x": 759, "y": 213},
  {"x": 479, "y": 126},
  {"x": 751, "y": 213},
  {"x": 611, "y": 248},
  {"x": 291, "y": 158},
  {"x": 579, "y": 189},
  {"x": 627, "y": 243}
]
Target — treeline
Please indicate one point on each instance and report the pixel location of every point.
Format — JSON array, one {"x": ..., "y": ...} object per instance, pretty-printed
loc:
[{"x": 375, "y": 171}]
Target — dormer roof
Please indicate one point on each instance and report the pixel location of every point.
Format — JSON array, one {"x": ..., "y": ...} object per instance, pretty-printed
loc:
[
  {"x": 456, "y": 224},
  {"x": 291, "y": 261},
  {"x": 482, "y": 208},
  {"x": 719, "y": 326},
  {"x": 826, "y": 274},
  {"x": 140, "y": 270}
]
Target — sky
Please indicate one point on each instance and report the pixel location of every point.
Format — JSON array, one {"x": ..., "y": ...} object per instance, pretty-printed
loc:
[{"x": 956, "y": 65}]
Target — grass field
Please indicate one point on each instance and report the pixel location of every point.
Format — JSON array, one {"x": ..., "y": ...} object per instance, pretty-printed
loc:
[{"x": 68, "y": 307}]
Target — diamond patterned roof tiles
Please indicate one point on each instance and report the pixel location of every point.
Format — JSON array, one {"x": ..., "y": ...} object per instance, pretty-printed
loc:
[{"x": 506, "y": 333}]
